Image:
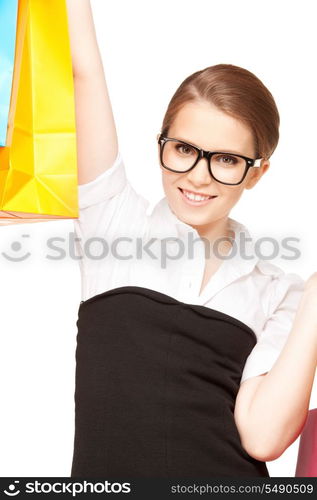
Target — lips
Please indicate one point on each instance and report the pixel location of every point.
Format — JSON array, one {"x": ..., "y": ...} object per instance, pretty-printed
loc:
[
  {"x": 195, "y": 199},
  {"x": 195, "y": 193}
]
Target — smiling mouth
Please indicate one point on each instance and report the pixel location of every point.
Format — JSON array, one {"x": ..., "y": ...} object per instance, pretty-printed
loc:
[{"x": 195, "y": 197}]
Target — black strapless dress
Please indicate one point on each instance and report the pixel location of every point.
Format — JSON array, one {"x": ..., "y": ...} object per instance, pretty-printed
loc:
[{"x": 156, "y": 383}]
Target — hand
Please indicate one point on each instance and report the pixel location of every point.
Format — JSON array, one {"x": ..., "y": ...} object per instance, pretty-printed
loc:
[
  {"x": 312, "y": 281},
  {"x": 308, "y": 303}
]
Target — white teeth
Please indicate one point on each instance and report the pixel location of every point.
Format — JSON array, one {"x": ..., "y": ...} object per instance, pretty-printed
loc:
[{"x": 195, "y": 197}]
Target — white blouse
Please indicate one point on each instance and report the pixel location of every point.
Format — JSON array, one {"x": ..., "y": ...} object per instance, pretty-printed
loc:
[{"x": 120, "y": 244}]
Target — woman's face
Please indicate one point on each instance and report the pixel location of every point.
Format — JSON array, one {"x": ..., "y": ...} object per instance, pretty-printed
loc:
[{"x": 207, "y": 127}]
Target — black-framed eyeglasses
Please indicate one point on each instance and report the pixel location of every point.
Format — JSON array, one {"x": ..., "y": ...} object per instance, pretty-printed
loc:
[{"x": 226, "y": 168}]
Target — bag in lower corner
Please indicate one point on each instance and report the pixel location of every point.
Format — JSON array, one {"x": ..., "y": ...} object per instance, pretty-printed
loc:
[{"x": 306, "y": 465}]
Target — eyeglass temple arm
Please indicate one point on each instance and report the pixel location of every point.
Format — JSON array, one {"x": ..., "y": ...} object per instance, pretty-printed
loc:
[{"x": 257, "y": 162}]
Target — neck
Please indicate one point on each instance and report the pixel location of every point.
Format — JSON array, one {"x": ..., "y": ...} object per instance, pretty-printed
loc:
[{"x": 219, "y": 229}]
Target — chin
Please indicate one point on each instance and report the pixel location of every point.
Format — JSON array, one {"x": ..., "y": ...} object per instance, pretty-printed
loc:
[{"x": 193, "y": 219}]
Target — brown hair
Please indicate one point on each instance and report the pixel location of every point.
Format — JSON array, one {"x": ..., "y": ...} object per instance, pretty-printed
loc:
[{"x": 237, "y": 92}]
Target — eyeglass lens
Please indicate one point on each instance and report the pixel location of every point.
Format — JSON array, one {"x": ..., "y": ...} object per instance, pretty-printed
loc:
[{"x": 226, "y": 167}]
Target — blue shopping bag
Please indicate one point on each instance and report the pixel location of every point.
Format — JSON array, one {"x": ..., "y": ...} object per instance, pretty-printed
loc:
[{"x": 8, "y": 25}]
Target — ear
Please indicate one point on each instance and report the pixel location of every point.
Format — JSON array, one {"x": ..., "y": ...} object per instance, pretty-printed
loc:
[
  {"x": 158, "y": 146},
  {"x": 256, "y": 174}
]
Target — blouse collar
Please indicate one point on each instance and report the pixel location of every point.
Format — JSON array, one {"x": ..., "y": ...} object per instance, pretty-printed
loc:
[{"x": 164, "y": 223}]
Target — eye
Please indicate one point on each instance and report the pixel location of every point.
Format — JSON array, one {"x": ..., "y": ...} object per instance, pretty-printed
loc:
[
  {"x": 184, "y": 149},
  {"x": 227, "y": 159}
]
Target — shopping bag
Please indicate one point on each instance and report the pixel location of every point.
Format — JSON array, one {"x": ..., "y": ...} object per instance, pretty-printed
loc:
[
  {"x": 8, "y": 25},
  {"x": 306, "y": 465},
  {"x": 38, "y": 172}
]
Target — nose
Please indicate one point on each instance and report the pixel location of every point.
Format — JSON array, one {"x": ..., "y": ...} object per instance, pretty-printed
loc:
[{"x": 200, "y": 173}]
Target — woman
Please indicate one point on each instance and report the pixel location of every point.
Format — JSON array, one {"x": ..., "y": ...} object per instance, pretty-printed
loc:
[{"x": 195, "y": 358}]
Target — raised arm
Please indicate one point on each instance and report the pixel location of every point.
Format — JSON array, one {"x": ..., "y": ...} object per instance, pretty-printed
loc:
[
  {"x": 97, "y": 142},
  {"x": 271, "y": 410}
]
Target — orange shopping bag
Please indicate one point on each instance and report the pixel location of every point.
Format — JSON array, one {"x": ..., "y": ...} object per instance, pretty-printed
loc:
[{"x": 38, "y": 168}]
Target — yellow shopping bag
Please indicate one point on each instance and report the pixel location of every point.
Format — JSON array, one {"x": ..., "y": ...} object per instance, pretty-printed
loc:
[{"x": 38, "y": 169}]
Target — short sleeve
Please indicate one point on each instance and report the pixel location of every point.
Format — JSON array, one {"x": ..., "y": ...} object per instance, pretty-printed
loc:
[
  {"x": 108, "y": 206},
  {"x": 105, "y": 186},
  {"x": 283, "y": 306}
]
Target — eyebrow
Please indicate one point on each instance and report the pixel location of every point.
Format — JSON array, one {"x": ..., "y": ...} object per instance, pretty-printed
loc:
[{"x": 220, "y": 150}]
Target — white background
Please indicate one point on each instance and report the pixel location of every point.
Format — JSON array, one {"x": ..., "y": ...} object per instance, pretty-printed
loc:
[{"x": 148, "y": 48}]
